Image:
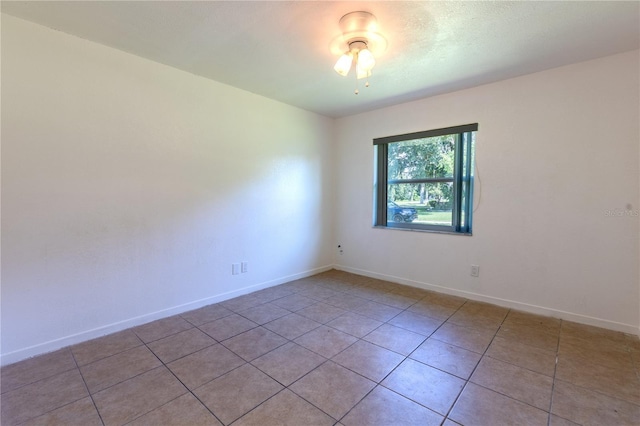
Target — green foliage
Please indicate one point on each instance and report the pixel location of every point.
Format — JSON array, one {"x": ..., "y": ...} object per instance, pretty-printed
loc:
[{"x": 422, "y": 158}]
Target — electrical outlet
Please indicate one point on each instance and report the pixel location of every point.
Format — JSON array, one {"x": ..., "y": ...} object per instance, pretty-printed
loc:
[
  {"x": 340, "y": 250},
  {"x": 244, "y": 267},
  {"x": 475, "y": 270},
  {"x": 235, "y": 268}
]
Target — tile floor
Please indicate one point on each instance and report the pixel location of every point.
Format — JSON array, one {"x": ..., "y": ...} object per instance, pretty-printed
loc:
[{"x": 335, "y": 348}]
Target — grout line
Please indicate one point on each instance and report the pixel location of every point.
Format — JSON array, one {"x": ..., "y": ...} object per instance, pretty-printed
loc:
[
  {"x": 555, "y": 369},
  {"x": 406, "y": 357},
  {"x": 468, "y": 380},
  {"x": 85, "y": 386},
  {"x": 182, "y": 383},
  {"x": 302, "y": 397}
]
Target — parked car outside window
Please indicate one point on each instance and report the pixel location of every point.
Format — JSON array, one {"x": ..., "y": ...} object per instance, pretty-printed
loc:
[{"x": 400, "y": 214}]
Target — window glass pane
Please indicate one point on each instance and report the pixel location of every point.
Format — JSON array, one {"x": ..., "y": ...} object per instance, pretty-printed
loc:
[
  {"x": 426, "y": 181},
  {"x": 420, "y": 203},
  {"x": 422, "y": 158}
]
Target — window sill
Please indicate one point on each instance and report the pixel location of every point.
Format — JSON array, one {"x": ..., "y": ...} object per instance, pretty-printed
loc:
[{"x": 430, "y": 231}]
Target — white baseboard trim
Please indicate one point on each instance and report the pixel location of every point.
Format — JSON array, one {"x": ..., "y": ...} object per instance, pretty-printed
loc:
[
  {"x": 53, "y": 345},
  {"x": 534, "y": 309}
]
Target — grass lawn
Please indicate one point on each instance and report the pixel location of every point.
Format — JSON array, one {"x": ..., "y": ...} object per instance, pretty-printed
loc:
[{"x": 428, "y": 216}]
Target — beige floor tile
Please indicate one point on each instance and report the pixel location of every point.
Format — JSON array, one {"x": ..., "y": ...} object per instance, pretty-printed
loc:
[
  {"x": 264, "y": 313},
  {"x": 426, "y": 385},
  {"x": 432, "y": 310},
  {"x": 40, "y": 397},
  {"x": 355, "y": 324},
  {"x": 336, "y": 274},
  {"x": 292, "y": 326},
  {"x": 485, "y": 310},
  {"x": 118, "y": 368},
  {"x": 318, "y": 293},
  {"x": 548, "y": 324},
  {"x": 321, "y": 312},
  {"x": 161, "y": 328},
  {"x": 227, "y": 327},
  {"x": 470, "y": 319},
  {"x": 515, "y": 382},
  {"x": 480, "y": 406},
  {"x": 530, "y": 357},
  {"x": 288, "y": 363},
  {"x": 600, "y": 368},
  {"x": 633, "y": 342},
  {"x": 395, "y": 338},
  {"x": 184, "y": 410},
  {"x": 366, "y": 292},
  {"x": 530, "y": 335},
  {"x": 326, "y": 341},
  {"x": 102, "y": 347},
  {"x": 233, "y": 395},
  {"x": 295, "y": 302},
  {"x": 333, "y": 389},
  {"x": 559, "y": 421},
  {"x": 376, "y": 283},
  {"x": 206, "y": 314},
  {"x": 415, "y": 322},
  {"x": 369, "y": 360},
  {"x": 371, "y": 288},
  {"x": 591, "y": 333},
  {"x": 379, "y": 284},
  {"x": 81, "y": 412},
  {"x": 128, "y": 400},
  {"x": 621, "y": 382},
  {"x": 634, "y": 349},
  {"x": 473, "y": 339},
  {"x": 297, "y": 286},
  {"x": 599, "y": 351},
  {"x": 180, "y": 344},
  {"x": 337, "y": 286},
  {"x": 412, "y": 292},
  {"x": 587, "y": 407},
  {"x": 444, "y": 299},
  {"x": 205, "y": 365},
  {"x": 285, "y": 409},
  {"x": 377, "y": 311},
  {"x": 271, "y": 294},
  {"x": 443, "y": 356},
  {"x": 31, "y": 370},
  {"x": 383, "y": 407},
  {"x": 345, "y": 301},
  {"x": 395, "y": 300},
  {"x": 242, "y": 303},
  {"x": 254, "y": 343}
]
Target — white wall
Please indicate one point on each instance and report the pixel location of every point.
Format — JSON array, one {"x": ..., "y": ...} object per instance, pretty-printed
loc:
[
  {"x": 129, "y": 188},
  {"x": 555, "y": 151}
]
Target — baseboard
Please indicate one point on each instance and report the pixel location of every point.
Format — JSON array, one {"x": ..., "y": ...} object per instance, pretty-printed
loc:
[
  {"x": 52, "y": 345},
  {"x": 534, "y": 309}
]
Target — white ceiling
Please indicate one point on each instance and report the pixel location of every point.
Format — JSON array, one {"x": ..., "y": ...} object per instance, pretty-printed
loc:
[{"x": 281, "y": 49}]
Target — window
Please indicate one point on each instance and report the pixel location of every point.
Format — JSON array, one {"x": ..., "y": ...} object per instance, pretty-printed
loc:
[{"x": 424, "y": 180}]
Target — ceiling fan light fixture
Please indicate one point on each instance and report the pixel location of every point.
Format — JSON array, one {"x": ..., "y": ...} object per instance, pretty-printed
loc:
[
  {"x": 366, "y": 61},
  {"x": 343, "y": 65},
  {"x": 362, "y": 73},
  {"x": 360, "y": 39}
]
